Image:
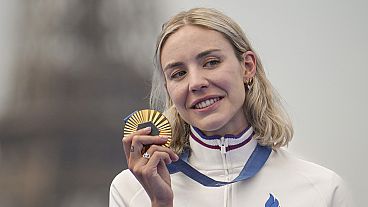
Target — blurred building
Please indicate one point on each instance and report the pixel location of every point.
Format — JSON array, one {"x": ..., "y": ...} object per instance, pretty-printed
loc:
[{"x": 81, "y": 66}]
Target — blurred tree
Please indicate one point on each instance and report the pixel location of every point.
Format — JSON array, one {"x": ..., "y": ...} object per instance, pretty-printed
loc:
[{"x": 79, "y": 70}]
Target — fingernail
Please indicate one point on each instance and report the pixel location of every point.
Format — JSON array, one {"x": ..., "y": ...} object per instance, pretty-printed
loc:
[
  {"x": 147, "y": 129},
  {"x": 176, "y": 157}
]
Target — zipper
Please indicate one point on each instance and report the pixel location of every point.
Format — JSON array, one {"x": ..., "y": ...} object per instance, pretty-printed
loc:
[{"x": 222, "y": 144}]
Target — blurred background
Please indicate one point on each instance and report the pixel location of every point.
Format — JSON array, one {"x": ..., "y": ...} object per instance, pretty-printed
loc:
[{"x": 71, "y": 69}]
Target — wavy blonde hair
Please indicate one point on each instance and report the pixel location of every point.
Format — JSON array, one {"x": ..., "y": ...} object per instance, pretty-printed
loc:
[{"x": 262, "y": 106}]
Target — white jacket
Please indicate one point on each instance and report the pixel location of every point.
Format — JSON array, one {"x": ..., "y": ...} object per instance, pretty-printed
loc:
[{"x": 283, "y": 179}]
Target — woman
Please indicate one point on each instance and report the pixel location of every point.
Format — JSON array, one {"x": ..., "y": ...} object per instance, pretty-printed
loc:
[{"x": 228, "y": 124}]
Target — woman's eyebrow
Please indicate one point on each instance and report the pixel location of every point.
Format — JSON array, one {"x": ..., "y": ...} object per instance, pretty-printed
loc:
[
  {"x": 173, "y": 65},
  {"x": 205, "y": 53}
]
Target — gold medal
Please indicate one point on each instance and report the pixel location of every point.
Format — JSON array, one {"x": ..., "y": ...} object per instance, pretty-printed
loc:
[{"x": 159, "y": 124}]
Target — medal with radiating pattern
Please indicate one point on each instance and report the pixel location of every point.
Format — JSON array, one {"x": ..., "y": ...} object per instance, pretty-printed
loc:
[{"x": 159, "y": 124}]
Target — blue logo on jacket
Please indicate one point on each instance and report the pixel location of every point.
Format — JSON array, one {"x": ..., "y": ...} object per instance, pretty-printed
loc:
[{"x": 272, "y": 202}]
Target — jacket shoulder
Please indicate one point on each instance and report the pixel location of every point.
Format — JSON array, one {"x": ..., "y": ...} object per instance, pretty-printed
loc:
[
  {"x": 301, "y": 166},
  {"x": 325, "y": 182}
]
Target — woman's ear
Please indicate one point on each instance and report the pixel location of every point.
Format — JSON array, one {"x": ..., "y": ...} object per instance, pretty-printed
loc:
[{"x": 249, "y": 63}]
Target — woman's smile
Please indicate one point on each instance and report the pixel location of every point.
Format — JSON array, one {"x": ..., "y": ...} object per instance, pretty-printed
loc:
[{"x": 205, "y": 102}]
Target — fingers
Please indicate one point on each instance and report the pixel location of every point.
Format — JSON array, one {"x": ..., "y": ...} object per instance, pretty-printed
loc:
[
  {"x": 127, "y": 141},
  {"x": 156, "y": 153},
  {"x": 148, "y": 140},
  {"x": 135, "y": 142},
  {"x": 163, "y": 153},
  {"x": 145, "y": 168},
  {"x": 141, "y": 141},
  {"x": 156, "y": 166},
  {"x": 150, "y": 165}
]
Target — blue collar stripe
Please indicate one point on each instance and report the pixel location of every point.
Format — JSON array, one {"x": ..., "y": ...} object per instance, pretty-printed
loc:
[{"x": 256, "y": 161}]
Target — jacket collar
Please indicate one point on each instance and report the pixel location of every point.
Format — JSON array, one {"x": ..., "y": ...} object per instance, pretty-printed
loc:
[{"x": 220, "y": 152}]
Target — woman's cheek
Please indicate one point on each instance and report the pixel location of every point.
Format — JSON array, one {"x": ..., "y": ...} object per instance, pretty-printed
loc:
[{"x": 176, "y": 95}]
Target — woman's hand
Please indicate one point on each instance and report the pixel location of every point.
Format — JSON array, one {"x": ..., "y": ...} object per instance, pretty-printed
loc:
[{"x": 151, "y": 172}]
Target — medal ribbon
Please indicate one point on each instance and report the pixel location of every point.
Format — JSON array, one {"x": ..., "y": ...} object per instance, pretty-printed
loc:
[{"x": 255, "y": 162}]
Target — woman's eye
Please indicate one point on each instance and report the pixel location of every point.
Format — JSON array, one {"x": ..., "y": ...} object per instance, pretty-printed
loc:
[
  {"x": 211, "y": 63},
  {"x": 178, "y": 74}
]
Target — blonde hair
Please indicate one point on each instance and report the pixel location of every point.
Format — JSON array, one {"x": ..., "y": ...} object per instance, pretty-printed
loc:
[{"x": 262, "y": 105}]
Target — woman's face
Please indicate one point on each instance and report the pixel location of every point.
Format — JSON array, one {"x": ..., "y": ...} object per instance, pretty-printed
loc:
[{"x": 205, "y": 80}]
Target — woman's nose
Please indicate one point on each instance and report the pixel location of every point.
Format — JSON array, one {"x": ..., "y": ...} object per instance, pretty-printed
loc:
[{"x": 197, "y": 81}]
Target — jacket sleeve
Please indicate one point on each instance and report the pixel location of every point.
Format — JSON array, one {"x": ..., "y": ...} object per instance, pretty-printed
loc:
[{"x": 115, "y": 199}]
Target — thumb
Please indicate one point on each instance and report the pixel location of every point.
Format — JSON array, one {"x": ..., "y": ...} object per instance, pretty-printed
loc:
[{"x": 164, "y": 172}]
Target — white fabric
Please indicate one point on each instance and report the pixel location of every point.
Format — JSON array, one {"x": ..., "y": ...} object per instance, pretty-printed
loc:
[{"x": 293, "y": 182}]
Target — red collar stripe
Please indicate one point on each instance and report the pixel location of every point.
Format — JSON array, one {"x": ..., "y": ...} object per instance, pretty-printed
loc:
[{"x": 228, "y": 148}]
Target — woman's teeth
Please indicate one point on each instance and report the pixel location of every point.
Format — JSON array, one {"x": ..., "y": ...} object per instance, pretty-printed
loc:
[{"x": 206, "y": 103}]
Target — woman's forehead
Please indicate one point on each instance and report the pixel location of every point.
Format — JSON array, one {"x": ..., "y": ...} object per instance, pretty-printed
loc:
[{"x": 191, "y": 40}]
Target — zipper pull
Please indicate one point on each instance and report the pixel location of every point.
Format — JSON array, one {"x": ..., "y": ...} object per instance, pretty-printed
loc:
[{"x": 222, "y": 145}]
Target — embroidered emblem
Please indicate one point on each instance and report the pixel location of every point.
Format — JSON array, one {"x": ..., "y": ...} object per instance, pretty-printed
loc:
[{"x": 272, "y": 202}]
